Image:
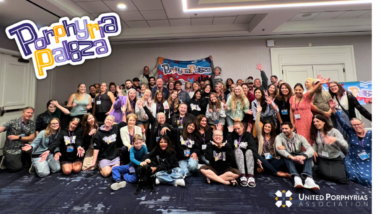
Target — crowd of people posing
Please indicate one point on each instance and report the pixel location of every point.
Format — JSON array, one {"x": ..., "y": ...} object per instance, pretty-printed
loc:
[{"x": 227, "y": 131}]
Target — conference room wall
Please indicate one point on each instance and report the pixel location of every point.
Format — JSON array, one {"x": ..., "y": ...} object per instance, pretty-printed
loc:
[{"x": 238, "y": 59}]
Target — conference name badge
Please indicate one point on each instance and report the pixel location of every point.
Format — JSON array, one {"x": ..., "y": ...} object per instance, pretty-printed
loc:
[{"x": 65, "y": 42}]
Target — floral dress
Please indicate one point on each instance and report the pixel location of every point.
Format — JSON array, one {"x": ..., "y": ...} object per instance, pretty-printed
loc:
[{"x": 304, "y": 110}]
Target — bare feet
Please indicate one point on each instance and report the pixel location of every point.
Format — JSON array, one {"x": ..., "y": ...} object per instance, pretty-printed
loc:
[
  {"x": 283, "y": 174},
  {"x": 259, "y": 170}
]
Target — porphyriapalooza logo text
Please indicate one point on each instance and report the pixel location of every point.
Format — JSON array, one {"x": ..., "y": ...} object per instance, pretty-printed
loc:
[{"x": 65, "y": 42}]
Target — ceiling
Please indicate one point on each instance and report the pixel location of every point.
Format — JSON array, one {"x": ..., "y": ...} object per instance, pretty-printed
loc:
[{"x": 165, "y": 20}]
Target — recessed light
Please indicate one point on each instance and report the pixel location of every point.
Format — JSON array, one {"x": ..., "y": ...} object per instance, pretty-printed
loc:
[{"x": 120, "y": 6}]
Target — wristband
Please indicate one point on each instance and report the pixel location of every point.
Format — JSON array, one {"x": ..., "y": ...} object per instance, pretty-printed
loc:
[{"x": 19, "y": 137}]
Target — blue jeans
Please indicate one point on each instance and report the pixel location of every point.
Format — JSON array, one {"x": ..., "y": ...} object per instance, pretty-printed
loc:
[
  {"x": 117, "y": 171},
  {"x": 307, "y": 167},
  {"x": 230, "y": 121},
  {"x": 188, "y": 166},
  {"x": 44, "y": 168},
  {"x": 273, "y": 164},
  {"x": 169, "y": 176}
]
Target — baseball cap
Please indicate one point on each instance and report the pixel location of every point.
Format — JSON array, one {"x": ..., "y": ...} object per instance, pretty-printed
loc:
[{"x": 248, "y": 81}]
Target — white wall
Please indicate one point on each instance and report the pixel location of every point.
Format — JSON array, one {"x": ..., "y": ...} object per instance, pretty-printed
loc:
[{"x": 237, "y": 58}]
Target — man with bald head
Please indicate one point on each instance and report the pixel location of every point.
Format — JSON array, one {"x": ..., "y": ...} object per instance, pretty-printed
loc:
[{"x": 220, "y": 156}]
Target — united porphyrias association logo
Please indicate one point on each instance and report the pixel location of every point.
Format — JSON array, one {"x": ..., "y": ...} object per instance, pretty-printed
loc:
[{"x": 283, "y": 199}]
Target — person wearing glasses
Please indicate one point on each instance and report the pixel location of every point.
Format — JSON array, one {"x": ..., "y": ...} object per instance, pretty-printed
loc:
[{"x": 359, "y": 158}]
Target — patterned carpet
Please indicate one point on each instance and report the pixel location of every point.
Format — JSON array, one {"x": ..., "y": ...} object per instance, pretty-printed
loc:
[{"x": 88, "y": 192}]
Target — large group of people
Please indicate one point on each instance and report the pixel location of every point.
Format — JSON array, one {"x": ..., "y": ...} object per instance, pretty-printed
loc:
[{"x": 228, "y": 131}]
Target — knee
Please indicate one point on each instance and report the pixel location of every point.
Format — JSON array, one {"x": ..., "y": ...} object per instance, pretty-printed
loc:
[
  {"x": 66, "y": 171},
  {"x": 56, "y": 169},
  {"x": 77, "y": 168},
  {"x": 43, "y": 174},
  {"x": 249, "y": 152},
  {"x": 106, "y": 171}
]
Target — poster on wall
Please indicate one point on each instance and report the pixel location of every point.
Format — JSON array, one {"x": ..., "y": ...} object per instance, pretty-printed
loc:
[
  {"x": 361, "y": 90},
  {"x": 184, "y": 71}
]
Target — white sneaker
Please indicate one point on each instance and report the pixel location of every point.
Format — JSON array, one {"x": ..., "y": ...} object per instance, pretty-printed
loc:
[
  {"x": 118, "y": 185},
  {"x": 310, "y": 184},
  {"x": 157, "y": 181},
  {"x": 251, "y": 182},
  {"x": 298, "y": 182},
  {"x": 179, "y": 182}
]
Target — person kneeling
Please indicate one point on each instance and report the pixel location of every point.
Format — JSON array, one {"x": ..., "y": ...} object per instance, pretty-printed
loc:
[
  {"x": 136, "y": 154},
  {"x": 289, "y": 145},
  {"x": 164, "y": 164},
  {"x": 220, "y": 157}
]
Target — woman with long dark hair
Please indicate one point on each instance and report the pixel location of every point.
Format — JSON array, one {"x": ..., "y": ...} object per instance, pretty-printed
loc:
[
  {"x": 272, "y": 91},
  {"x": 283, "y": 104},
  {"x": 269, "y": 108},
  {"x": 170, "y": 87},
  {"x": 103, "y": 103},
  {"x": 88, "y": 130},
  {"x": 194, "y": 105},
  {"x": 328, "y": 145},
  {"x": 215, "y": 112},
  {"x": 229, "y": 82},
  {"x": 43, "y": 120},
  {"x": 205, "y": 132}
]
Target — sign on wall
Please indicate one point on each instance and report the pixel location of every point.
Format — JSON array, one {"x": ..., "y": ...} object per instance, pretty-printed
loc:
[{"x": 361, "y": 90}]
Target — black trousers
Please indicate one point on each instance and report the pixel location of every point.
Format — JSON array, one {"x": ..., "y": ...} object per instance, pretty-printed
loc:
[{"x": 15, "y": 162}]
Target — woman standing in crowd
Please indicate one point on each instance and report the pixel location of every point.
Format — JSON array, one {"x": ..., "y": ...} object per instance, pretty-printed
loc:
[
  {"x": 237, "y": 105},
  {"x": 43, "y": 119},
  {"x": 106, "y": 144},
  {"x": 328, "y": 145},
  {"x": 245, "y": 153},
  {"x": 215, "y": 112},
  {"x": 248, "y": 119},
  {"x": 69, "y": 142},
  {"x": 267, "y": 148},
  {"x": 127, "y": 134},
  {"x": 300, "y": 110},
  {"x": 143, "y": 87},
  {"x": 219, "y": 92},
  {"x": 282, "y": 101},
  {"x": 272, "y": 92},
  {"x": 221, "y": 159},
  {"x": 205, "y": 97},
  {"x": 188, "y": 88},
  {"x": 79, "y": 102},
  {"x": 93, "y": 95},
  {"x": 143, "y": 119},
  {"x": 194, "y": 105},
  {"x": 173, "y": 102},
  {"x": 103, "y": 103},
  {"x": 359, "y": 156},
  {"x": 187, "y": 145},
  {"x": 229, "y": 82},
  {"x": 40, "y": 145},
  {"x": 195, "y": 87},
  {"x": 112, "y": 89},
  {"x": 346, "y": 104},
  {"x": 309, "y": 84},
  {"x": 159, "y": 104},
  {"x": 164, "y": 163},
  {"x": 205, "y": 132},
  {"x": 87, "y": 131},
  {"x": 269, "y": 109},
  {"x": 170, "y": 87},
  {"x": 128, "y": 101}
]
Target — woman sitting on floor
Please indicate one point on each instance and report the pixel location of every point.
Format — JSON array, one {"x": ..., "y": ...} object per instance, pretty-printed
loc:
[
  {"x": 88, "y": 130},
  {"x": 127, "y": 133},
  {"x": 40, "y": 145},
  {"x": 328, "y": 145},
  {"x": 221, "y": 158},
  {"x": 205, "y": 133}
]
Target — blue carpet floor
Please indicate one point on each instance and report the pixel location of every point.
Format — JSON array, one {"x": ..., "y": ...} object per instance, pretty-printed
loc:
[{"x": 88, "y": 192}]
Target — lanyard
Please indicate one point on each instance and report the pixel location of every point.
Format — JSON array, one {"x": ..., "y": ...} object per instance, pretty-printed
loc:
[
  {"x": 158, "y": 107},
  {"x": 204, "y": 137},
  {"x": 361, "y": 142},
  {"x": 159, "y": 131},
  {"x": 291, "y": 144},
  {"x": 320, "y": 136},
  {"x": 266, "y": 142},
  {"x": 180, "y": 120},
  {"x": 71, "y": 137},
  {"x": 240, "y": 138},
  {"x": 298, "y": 103}
]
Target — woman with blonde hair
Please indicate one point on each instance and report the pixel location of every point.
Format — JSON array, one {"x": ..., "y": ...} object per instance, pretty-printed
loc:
[
  {"x": 195, "y": 86},
  {"x": 143, "y": 119},
  {"x": 215, "y": 112},
  {"x": 79, "y": 102},
  {"x": 237, "y": 105},
  {"x": 188, "y": 87},
  {"x": 309, "y": 84}
]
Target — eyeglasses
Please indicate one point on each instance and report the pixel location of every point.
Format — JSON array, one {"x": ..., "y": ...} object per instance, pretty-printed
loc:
[
  {"x": 353, "y": 125},
  {"x": 333, "y": 86},
  {"x": 54, "y": 124},
  {"x": 218, "y": 135}
]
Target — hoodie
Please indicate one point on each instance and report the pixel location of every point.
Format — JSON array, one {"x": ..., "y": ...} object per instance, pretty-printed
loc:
[
  {"x": 107, "y": 142},
  {"x": 293, "y": 146},
  {"x": 162, "y": 160},
  {"x": 68, "y": 142}
]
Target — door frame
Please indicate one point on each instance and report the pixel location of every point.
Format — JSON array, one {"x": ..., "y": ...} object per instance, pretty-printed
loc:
[{"x": 321, "y": 55}]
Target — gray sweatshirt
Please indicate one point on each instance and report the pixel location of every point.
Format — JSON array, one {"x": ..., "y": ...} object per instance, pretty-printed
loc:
[
  {"x": 296, "y": 146},
  {"x": 333, "y": 151}
]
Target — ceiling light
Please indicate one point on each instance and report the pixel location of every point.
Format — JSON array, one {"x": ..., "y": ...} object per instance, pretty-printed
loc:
[
  {"x": 250, "y": 7},
  {"x": 121, "y": 6}
]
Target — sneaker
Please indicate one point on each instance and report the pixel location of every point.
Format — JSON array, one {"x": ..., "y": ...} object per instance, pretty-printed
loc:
[
  {"x": 2, "y": 165},
  {"x": 298, "y": 182},
  {"x": 251, "y": 182},
  {"x": 310, "y": 184},
  {"x": 118, "y": 185},
  {"x": 243, "y": 181},
  {"x": 157, "y": 181},
  {"x": 31, "y": 169},
  {"x": 179, "y": 182}
]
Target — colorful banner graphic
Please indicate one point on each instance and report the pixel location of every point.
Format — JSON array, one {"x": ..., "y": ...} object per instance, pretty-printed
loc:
[
  {"x": 64, "y": 42},
  {"x": 361, "y": 90},
  {"x": 184, "y": 70}
]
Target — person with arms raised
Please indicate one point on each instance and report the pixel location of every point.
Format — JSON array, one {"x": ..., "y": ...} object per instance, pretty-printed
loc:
[
  {"x": 144, "y": 77},
  {"x": 88, "y": 130},
  {"x": 43, "y": 119},
  {"x": 129, "y": 101}
]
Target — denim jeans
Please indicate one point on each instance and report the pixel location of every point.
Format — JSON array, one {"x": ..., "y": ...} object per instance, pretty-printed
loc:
[
  {"x": 230, "y": 121},
  {"x": 307, "y": 167},
  {"x": 117, "y": 171},
  {"x": 169, "y": 176},
  {"x": 188, "y": 166},
  {"x": 44, "y": 168},
  {"x": 273, "y": 164}
]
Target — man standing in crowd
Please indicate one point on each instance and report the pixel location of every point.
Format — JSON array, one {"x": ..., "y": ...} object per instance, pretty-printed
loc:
[
  {"x": 128, "y": 85},
  {"x": 136, "y": 84},
  {"x": 250, "y": 84},
  {"x": 239, "y": 82},
  {"x": 144, "y": 77},
  {"x": 160, "y": 87},
  {"x": 182, "y": 95},
  {"x": 289, "y": 146},
  {"x": 97, "y": 86},
  {"x": 257, "y": 82},
  {"x": 152, "y": 82},
  {"x": 20, "y": 131},
  {"x": 273, "y": 80},
  {"x": 320, "y": 104}
]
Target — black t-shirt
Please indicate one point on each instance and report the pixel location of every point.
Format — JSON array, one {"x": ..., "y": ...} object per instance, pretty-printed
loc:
[{"x": 283, "y": 105}]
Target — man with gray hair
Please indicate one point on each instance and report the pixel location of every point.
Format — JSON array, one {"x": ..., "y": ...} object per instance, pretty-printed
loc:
[
  {"x": 220, "y": 156},
  {"x": 19, "y": 131}
]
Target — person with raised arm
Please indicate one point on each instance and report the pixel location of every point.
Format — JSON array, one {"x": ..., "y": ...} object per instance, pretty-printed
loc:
[
  {"x": 88, "y": 130},
  {"x": 129, "y": 101},
  {"x": 144, "y": 77},
  {"x": 53, "y": 110}
]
